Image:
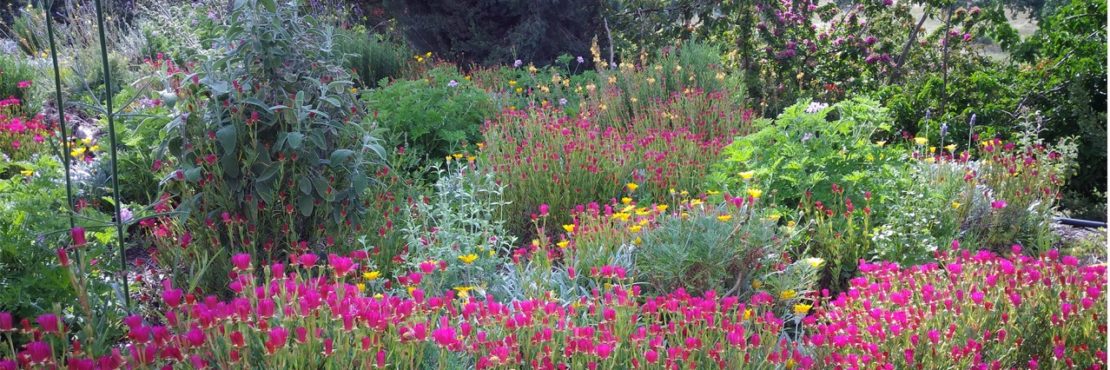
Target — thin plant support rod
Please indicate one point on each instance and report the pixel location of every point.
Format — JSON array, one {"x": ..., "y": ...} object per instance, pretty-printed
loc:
[
  {"x": 112, "y": 138},
  {"x": 60, "y": 106}
]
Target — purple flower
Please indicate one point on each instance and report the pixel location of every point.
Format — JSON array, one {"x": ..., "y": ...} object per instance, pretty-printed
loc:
[
  {"x": 517, "y": 63},
  {"x": 453, "y": 83},
  {"x": 581, "y": 59},
  {"x": 998, "y": 204}
]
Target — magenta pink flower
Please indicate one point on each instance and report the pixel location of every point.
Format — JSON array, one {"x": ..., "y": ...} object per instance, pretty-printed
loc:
[
  {"x": 998, "y": 204},
  {"x": 48, "y": 322},
  {"x": 241, "y": 261}
]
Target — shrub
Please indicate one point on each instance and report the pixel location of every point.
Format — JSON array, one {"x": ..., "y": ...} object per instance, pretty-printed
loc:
[
  {"x": 15, "y": 78},
  {"x": 268, "y": 152},
  {"x": 969, "y": 310},
  {"x": 432, "y": 117},
  {"x": 811, "y": 146},
  {"x": 456, "y": 238},
  {"x": 371, "y": 57},
  {"x": 22, "y": 134},
  {"x": 710, "y": 248},
  {"x": 838, "y": 233}
]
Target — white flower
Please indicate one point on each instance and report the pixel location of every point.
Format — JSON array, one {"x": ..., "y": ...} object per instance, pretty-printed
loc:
[
  {"x": 453, "y": 83},
  {"x": 815, "y": 107}
]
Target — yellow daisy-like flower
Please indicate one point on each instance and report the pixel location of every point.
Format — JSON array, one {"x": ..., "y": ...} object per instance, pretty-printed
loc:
[
  {"x": 650, "y": 80},
  {"x": 631, "y": 186},
  {"x": 361, "y": 287},
  {"x": 956, "y": 205},
  {"x": 635, "y": 228},
  {"x": 519, "y": 90},
  {"x": 626, "y": 200},
  {"x": 712, "y": 192},
  {"x": 747, "y": 314},
  {"x": 755, "y": 193},
  {"x": 468, "y": 258},
  {"x": 623, "y": 216},
  {"x": 802, "y": 309},
  {"x": 535, "y": 242},
  {"x": 512, "y": 82},
  {"x": 695, "y": 202},
  {"x": 464, "y": 291},
  {"x": 880, "y": 143},
  {"x": 788, "y": 294},
  {"x": 950, "y": 147},
  {"x": 569, "y": 228},
  {"x": 563, "y": 244},
  {"x": 379, "y": 296},
  {"x": 930, "y": 160},
  {"x": 661, "y": 208},
  {"x": 747, "y": 175},
  {"x": 27, "y": 173},
  {"x": 815, "y": 262},
  {"x": 724, "y": 218},
  {"x": 921, "y": 140},
  {"x": 638, "y": 241},
  {"x": 756, "y": 284},
  {"x": 371, "y": 275},
  {"x": 457, "y": 155}
]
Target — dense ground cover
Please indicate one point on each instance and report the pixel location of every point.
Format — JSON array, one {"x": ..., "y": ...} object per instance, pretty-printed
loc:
[{"x": 771, "y": 184}]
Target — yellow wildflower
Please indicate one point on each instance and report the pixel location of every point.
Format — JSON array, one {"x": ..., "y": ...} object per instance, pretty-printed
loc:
[
  {"x": 747, "y": 314},
  {"x": 788, "y": 294},
  {"x": 569, "y": 228},
  {"x": 361, "y": 287},
  {"x": 632, "y": 186},
  {"x": 371, "y": 275},
  {"x": 512, "y": 82},
  {"x": 695, "y": 202},
  {"x": 457, "y": 155},
  {"x": 563, "y": 244},
  {"x": 755, "y": 193},
  {"x": 955, "y": 205},
  {"x": 519, "y": 90},
  {"x": 661, "y": 208},
  {"x": 638, "y": 241},
  {"x": 635, "y": 228},
  {"x": 950, "y": 147},
  {"x": 921, "y": 140},
  {"x": 379, "y": 296},
  {"x": 27, "y": 173},
  {"x": 802, "y": 309},
  {"x": 626, "y": 200},
  {"x": 747, "y": 175},
  {"x": 468, "y": 258},
  {"x": 723, "y": 218},
  {"x": 814, "y": 261},
  {"x": 464, "y": 291},
  {"x": 756, "y": 284}
]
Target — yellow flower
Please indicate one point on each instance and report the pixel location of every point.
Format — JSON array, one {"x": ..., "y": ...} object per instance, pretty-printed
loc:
[
  {"x": 955, "y": 205},
  {"x": 684, "y": 193},
  {"x": 623, "y": 216},
  {"x": 481, "y": 145},
  {"x": 27, "y": 173},
  {"x": 471, "y": 158},
  {"x": 723, "y": 218},
  {"x": 563, "y": 244},
  {"x": 603, "y": 106},
  {"x": 642, "y": 212},
  {"x": 788, "y": 294},
  {"x": 921, "y": 140},
  {"x": 410, "y": 289},
  {"x": 756, "y": 284},
  {"x": 612, "y": 80},
  {"x": 94, "y": 148},
  {"x": 755, "y": 193},
  {"x": 950, "y": 147},
  {"x": 774, "y": 218},
  {"x": 512, "y": 82},
  {"x": 802, "y": 309},
  {"x": 371, "y": 275},
  {"x": 428, "y": 54},
  {"x": 354, "y": 90},
  {"x": 468, "y": 258},
  {"x": 932, "y": 149},
  {"x": 532, "y": 68},
  {"x": 535, "y": 242},
  {"x": 661, "y": 208},
  {"x": 457, "y": 155},
  {"x": 880, "y": 143},
  {"x": 569, "y": 228},
  {"x": 631, "y": 186},
  {"x": 650, "y": 80},
  {"x": 790, "y": 363},
  {"x": 814, "y": 261},
  {"x": 695, "y": 202},
  {"x": 747, "y": 314},
  {"x": 626, "y": 200},
  {"x": 635, "y": 228},
  {"x": 379, "y": 296},
  {"x": 638, "y": 241},
  {"x": 747, "y": 175},
  {"x": 791, "y": 224},
  {"x": 361, "y": 287},
  {"x": 930, "y": 160},
  {"x": 712, "y": 192},
  {"x": 464, "y": 291},
  {"x": 519, "y": 90},
  {"x": 720, "y": 76}
]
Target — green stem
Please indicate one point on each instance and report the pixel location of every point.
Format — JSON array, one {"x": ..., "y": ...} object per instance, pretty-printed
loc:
[{"x": 115, "y": 148}]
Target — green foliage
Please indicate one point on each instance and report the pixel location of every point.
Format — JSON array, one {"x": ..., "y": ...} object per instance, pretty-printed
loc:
[
  {"x": 433, "y": 116},
  {"x": 723, "y": 248},
  {"x": 12, "y": 72},
  {"x": 838, "y": 232},
  {"x": 269, "y": 151},
  {"x": 925, "y": 217},
  {"x": 371, "y": 57},
  {"x": 811, "y": 146},
  {"x": 458, "y": 232}
]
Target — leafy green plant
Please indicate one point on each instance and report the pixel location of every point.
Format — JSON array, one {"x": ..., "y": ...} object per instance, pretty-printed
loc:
[
  {"x": 456, "y": 238},
  {"x": 811, "y": 146},
  {"x": 13, "y": 72},
  {"x": 837, "y": 232},
  {"x": 434, "y": 116},
  {"x": 268, "y": 150}
]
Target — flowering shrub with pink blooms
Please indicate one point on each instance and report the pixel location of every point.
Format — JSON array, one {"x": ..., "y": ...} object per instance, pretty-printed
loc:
[
  {"x": 22, "y": 133},
  {"x": 970, "y": 311}
]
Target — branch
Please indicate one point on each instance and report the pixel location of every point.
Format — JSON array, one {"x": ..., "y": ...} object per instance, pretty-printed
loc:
[{"x": 909, "y": 43}]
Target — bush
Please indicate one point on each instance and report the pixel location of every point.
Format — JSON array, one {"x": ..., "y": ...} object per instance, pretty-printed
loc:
[
  {"x": 371, "y": 56},
  {"x": 710, "y": 248},
  {"x": 269, "y": 153},
  {"x": 455, "y": 238},
  {"x": 431, "y": 117},
  {"x": 15, "y": 78},
  {"x": 811, "y": 146},
  {"x": 969, "y": 310}
]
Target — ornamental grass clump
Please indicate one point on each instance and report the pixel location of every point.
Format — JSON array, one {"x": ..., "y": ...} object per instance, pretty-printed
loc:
[{"x": 970, "y": 311}]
